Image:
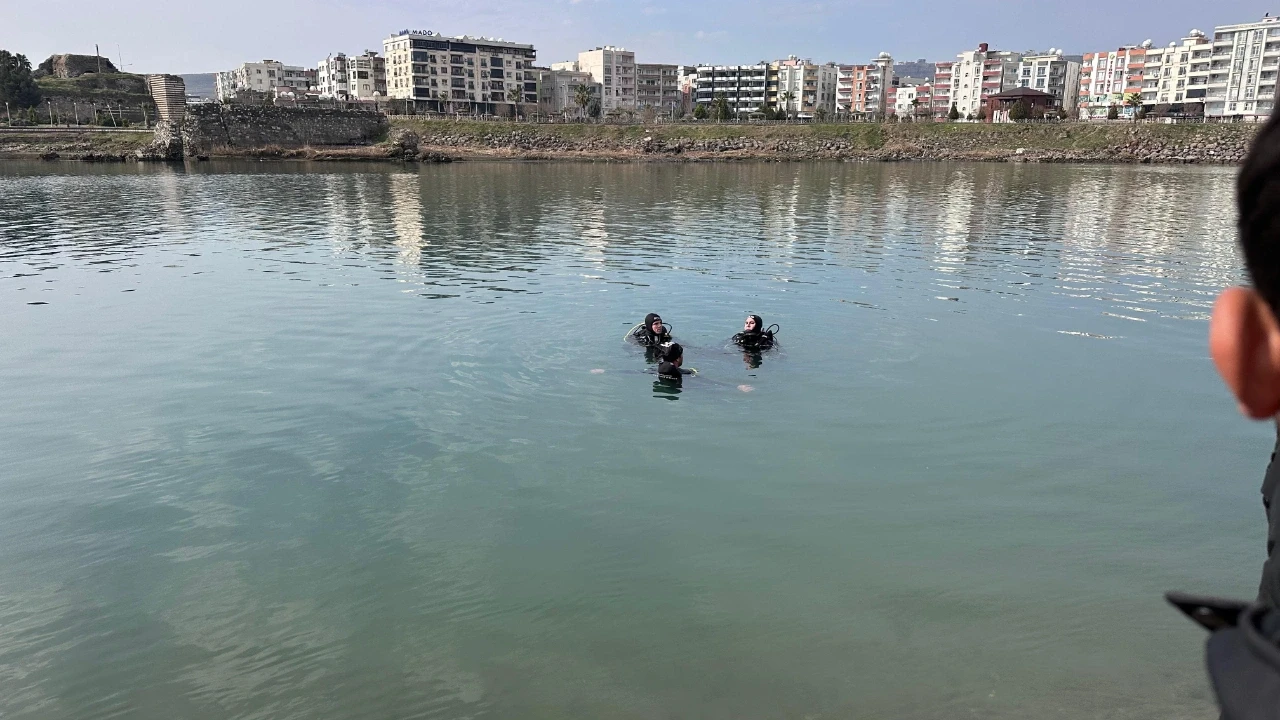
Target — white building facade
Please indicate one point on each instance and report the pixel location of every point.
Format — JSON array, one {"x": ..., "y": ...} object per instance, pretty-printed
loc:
[
  {"x": 1175, "y": 78},
  {"x": 263, "y": 77},
  {"x": 743, "y": 86},
  {"x": 1055, "y": 74},
  {"x": 460, "y": 74},
  {"x": 1109, "y": 78},
  {"x": 977, "y": 74},
  {"x": 1241, "y": 78},
  {"x": 803, "y": 88},
  {"x": 658, "y": 87},
  {"x": 615, "y": 69},
  {"x": 558, "y": 92}
]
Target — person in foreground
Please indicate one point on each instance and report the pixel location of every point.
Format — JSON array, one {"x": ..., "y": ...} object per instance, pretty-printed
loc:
[
  {"x": 754, "y": 335},
  {"x": 652, "y": 332},
  {"x": 1243, "y": 651},
  {"x": 669, "y": 369}
]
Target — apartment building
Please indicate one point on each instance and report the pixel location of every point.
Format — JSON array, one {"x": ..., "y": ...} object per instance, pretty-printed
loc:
[
  {"x": 263, "y": 77},
  {"x": 1108, "y": 77},
  {"x": 803, "y": 88},
  {"x": 615, "y": 69},
  {"x": 942, "y": 87},
  {"x": 362, "y": 77},
  {"x": 1053, "y": 73},
  {"x": 1241, "y": 78},
  {"x": 851, "y": 89},
  {"x": 976, "y": 75},
  {"x": 658, "y": 87},
  {"x": 460, "y": 74},
  {"x": 911, "y": 100},
  {"x": 743, "y": 86},
  {"x": 879, "y": 81},
  {"x": 688, "y": 79},
  {"x": 1175, "y": 78},
  {"x": 558, "y": 91}
]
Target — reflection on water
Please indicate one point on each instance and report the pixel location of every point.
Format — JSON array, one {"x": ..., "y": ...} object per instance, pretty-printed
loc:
[{"x": 314, "y": 441}]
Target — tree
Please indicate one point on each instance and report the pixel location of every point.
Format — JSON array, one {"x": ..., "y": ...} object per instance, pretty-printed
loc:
[
  {"x": 1020, "y": 111},
  {"x": 1113, "y": 113},
  {"x": 720, "y": 107},
  {"x": 700, "y": 112},
  {"x": 16, "y": 84},
  {"x": 515, "y": 95},
  {"x": 593, "y": 108},
  {"x": 1134, "y": 102},
  {"x": 820, "y": 115},
  {"x": 582, "y": 97},
  {"x": 786, "y": 99},
  {"x": 982, "y": 115},
  {"x": 766, "y": 111},
  {"x": 954, "y": 114}
]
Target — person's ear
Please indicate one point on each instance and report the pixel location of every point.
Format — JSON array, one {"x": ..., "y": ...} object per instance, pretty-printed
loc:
[{"x": 1244, "y": 341}]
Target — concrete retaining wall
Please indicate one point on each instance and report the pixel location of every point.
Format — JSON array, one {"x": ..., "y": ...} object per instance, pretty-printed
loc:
[{"x": 230, "y": 128}]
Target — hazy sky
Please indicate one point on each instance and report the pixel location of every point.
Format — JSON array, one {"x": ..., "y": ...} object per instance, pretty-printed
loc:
[{"x": 201, "y": 36}]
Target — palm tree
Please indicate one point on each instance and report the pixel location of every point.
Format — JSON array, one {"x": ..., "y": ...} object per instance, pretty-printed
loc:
[
  {"x": 582, "y": 98},
  {"x": 915, "y": 105},
  {"x": 514, "y": 95},
  {"x": 1133, "y": 100},
  {"x": 786, "y": 99}
]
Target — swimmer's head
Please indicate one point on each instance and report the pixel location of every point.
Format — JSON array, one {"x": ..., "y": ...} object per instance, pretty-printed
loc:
[
  {"x": 673, "y": 353},
  {"x": 653, "y": 323},
  {"x": 753, "y": 324}
]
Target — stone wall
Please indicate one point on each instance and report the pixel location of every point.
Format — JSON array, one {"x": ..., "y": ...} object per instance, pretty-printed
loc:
[{"x": 218, "y": 129}]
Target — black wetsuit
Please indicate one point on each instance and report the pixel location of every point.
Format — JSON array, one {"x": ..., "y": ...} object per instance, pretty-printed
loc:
[
  {"x": 758, "y": 339},
  {"x": 671, "y": 373},
  {"x": 1269, "y": 588},
  {"x": 646, "y": 336}
]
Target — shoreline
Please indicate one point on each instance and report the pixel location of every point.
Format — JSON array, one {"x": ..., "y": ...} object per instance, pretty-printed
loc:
[{"x": 416, "y": 140}]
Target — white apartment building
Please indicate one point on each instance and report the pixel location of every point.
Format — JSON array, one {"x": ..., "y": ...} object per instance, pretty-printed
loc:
[
  {"x": 1108, "y": 77},
  {"x": 615, "y": 69},
  {"x": 263, "y": 77},
  {"x": 1053, "y": 73},
  {"x": 658, "y": 87},
  {"x": 879, "y": 80},
  {"x": 558, "y": 91},
  {"x": 942, "y": 88},
  {"x": 360, "y": 77},
  {"x": 1175, "y": 78},
  {"x": 460, "y": 74},
  {"x": 906, "y": 101},
  {"x": 743, "y": 86},
  {"x": 803, "y": 88},
  {"x": 977, "y": 74},
  {"x": 1241, "y": 80}
]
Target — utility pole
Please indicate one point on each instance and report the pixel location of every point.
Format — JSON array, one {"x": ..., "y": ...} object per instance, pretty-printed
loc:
[
  {"x": 49, "y": 104},
  {"x": 76, "y": 110},
  {"x": 6, "y": 113}
]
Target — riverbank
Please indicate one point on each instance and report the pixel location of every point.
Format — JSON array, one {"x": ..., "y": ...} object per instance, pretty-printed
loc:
[
  {"x": 444, "y": 140},
  {"x": 1067, "y": 142},
  {"x": 71, "y": 143}
]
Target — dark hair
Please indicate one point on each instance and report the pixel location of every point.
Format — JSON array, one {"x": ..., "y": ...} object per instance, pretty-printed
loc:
[{"x": 1258, "y": 201}]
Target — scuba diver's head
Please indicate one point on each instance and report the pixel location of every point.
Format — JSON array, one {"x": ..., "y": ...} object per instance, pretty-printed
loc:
[
  {"x": 653, "y": 324},
  {"x": 673, "y": 353},
  {"x": 753, "y": 325}
]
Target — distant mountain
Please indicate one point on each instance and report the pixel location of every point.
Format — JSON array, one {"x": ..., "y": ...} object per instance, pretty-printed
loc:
[
  {"x": 919, "y": 69},
  {"x": 199, "y": 84}
]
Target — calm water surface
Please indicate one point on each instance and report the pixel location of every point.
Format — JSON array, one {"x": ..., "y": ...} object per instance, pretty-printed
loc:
[{"x": 289, "y": 441}]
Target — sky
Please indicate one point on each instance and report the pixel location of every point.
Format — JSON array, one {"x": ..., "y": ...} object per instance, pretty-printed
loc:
[{"x": 153, "y": 36}]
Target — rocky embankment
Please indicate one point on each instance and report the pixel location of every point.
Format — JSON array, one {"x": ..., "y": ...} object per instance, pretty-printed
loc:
[
  {"x": 1068, "y": 142},
  {"x": 444, "y": 140}
]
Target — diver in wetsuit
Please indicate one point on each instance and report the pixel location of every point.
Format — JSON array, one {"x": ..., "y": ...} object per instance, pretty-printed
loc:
[
  {"x": 669, "y": 370},
  {"x": 652, "y": 333},
  {"x": 754, "y": 335}
]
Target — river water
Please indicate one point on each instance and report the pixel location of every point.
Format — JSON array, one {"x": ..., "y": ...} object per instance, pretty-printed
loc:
[{"x": 321, "y": 441}]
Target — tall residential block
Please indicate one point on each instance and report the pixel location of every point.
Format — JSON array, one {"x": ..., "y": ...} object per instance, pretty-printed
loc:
[
  {"x": 460, "y": 74},
  {"x": 1242, "y": 70},
  {"x": 263, "y": 77},
  {"x": 658, "y": 87},
  {"x": 1175, "y": 78},
  {"x": 1108, "y": 78},
  {"x": 976, "y": 75},
  {"x": 743, "y": 86},
  {"x": 803, "y": 88},
  {"x": 558, "y": 92},
  {"x": 359, "y": 77},
  {"x": 1053, "y": 73},
  {"x": 863, "y": 90},
  {"x": 942, "y": 88},
  {"x": 615, "y": 69}
]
